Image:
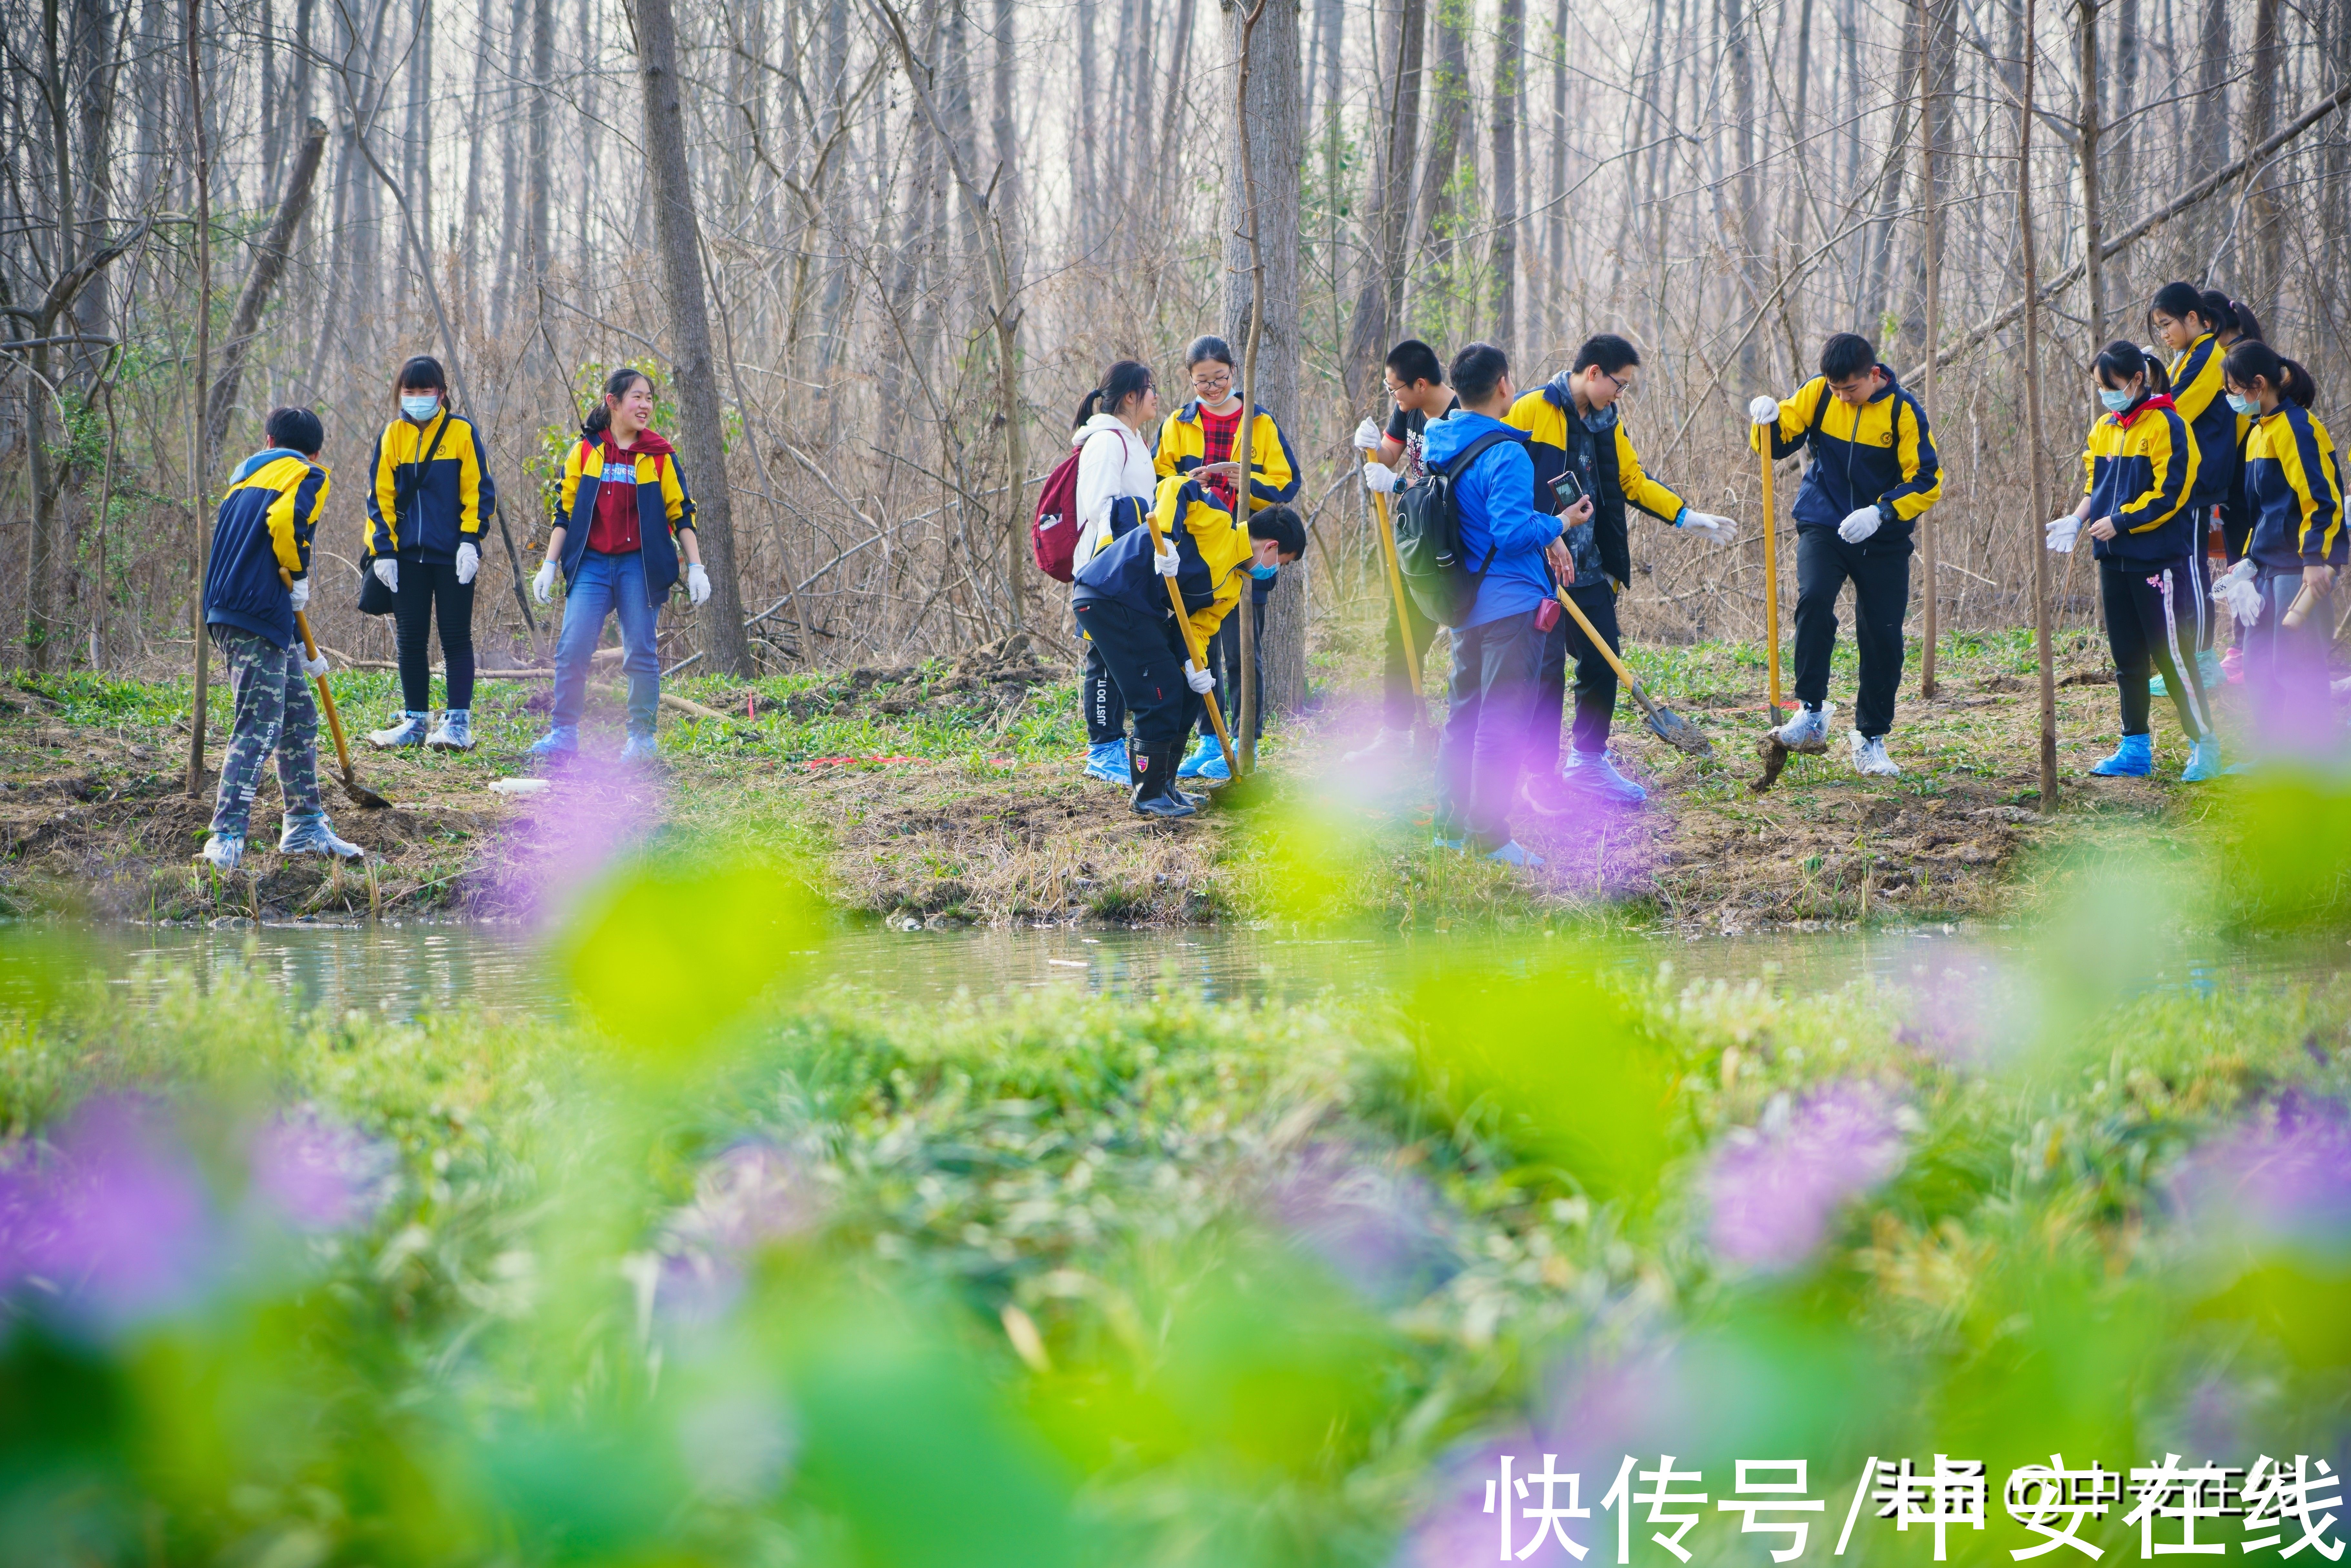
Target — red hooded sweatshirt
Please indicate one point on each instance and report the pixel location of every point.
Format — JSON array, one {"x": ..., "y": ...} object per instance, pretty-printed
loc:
[{"x": 614, "y": 531}]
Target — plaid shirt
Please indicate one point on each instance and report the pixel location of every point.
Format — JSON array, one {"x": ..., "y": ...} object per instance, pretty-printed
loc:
[{"x": 1217, "y": 433}]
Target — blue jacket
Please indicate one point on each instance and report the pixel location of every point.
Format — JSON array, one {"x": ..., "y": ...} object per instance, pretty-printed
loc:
[
  {"x": 445, "y": 507},
  {"x": 1212, "y": 559},
  {"x": 1496, "y": 496},
  {"x": 265, "y": 521},
  {"x": 1879, "y": 455}
]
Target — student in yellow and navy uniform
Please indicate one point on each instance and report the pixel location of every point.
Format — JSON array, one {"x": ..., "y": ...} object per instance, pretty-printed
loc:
[
  {"x": 626, "y": 516},
  {"x": 1198, "y": 440},
  {"x": 261, "y": 535},
  {"x": 1573, "y": 424},
  {"x": 424, "y": 539},
  {"x": 2233, "y": 321},
  {"x": 2183, "y": 325},
  {"x": 2294, "y": 485},
  {"x": 1119, "y": 598},
  {"x": 2139, "y": 469},
  {"x": 1874, "y": 474}
]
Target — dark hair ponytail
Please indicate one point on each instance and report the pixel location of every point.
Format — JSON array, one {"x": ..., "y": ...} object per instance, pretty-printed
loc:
[
  {"x": 2253, "y": 360},
  {"x": 616, "y": 385},
  {"x": 2121, "y": 360},
  {"x": 2228, "y": 314},
  {"x": 1122, "y": 380}
]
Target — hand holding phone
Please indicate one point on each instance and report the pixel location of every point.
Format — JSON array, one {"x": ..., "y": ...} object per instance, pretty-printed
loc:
[{"x": 1569, "y": 488}]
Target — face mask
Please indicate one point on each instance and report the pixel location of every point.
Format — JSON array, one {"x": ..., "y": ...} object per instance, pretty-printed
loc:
[
  {"x": 2243, "y": 405},
  {"x": 2116, "y": 401},
  {"x": 1264, "y": 574},
  {"x": 420, "y": 408}
]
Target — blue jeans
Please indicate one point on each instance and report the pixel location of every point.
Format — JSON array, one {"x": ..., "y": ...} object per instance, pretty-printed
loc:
[{"x": 607, "y": 585}]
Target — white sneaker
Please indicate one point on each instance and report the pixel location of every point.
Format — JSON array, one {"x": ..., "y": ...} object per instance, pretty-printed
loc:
[
  {"x": 1869, "y": 756},
  {"x": 1386, "y": 743},
  {"x": 1809, "y": 729}
]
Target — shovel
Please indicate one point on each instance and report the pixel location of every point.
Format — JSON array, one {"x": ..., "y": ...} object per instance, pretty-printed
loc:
[
  {"x": 1664, "y": 722},
  {"x": 1241, "y": 791},
  {"x": 360, "y": 795}
]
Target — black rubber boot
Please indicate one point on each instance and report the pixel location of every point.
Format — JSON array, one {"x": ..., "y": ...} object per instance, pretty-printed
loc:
[{"x": 1154, "y": 781}]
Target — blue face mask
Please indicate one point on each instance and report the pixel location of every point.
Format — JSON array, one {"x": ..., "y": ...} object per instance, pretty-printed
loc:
[
  {"x": 419, "y": 406},
  {"x": 1264, "y": 574},
  {"x": 2245, "y": 406},
  {"x": 2116, "y": 401}
]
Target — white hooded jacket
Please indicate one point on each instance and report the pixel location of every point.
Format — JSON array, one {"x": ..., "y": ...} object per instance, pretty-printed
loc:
[{"x": 1114, "y": 464}]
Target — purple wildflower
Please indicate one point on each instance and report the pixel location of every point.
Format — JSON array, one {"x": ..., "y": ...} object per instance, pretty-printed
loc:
[
  {"x": 753, "y": 1196},
  {"x": 319, "y": 1175},
  {"x": 2282, "y": 1178},
  {"x": 114, "y": 1218},
  {"x": 1372, "y": 1225},
  {"x": 1772, "y": 1191}
]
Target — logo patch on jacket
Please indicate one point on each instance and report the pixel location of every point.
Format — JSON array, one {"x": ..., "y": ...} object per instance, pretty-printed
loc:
[{"x": 621, "y": 472}]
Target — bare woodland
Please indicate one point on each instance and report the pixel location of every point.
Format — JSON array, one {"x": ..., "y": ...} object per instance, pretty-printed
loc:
[{"x": 874, "y": 252}]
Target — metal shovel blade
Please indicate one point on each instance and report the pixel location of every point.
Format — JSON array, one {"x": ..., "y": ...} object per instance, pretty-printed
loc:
[{"x": 1680, "y": 733}]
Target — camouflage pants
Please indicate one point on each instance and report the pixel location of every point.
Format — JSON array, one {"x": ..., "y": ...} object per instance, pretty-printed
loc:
[{"x": 274, "y": 711}]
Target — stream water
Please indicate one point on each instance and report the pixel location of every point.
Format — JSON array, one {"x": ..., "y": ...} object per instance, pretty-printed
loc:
[{"x": 407, "y": 969}]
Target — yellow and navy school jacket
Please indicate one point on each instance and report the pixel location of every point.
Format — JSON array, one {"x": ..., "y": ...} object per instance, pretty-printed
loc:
[
  {"x": 445, "y": 508},
  {"x": 2294, "y": 484},
  {"x": 266, "y": 520},
  {"x": 1213, "y": 554},
  {"x": 2195, "y": 393},
  {"x": 2139, "y": 469},
  {"x": 664, "y": 505},
  {"x": 1181, "y": 443},
  {"x": 1559, "y": 439},
  {"x": 1879, "y": 455}
]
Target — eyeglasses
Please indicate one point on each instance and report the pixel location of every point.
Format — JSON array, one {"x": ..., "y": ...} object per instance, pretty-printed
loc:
[
  {"x": 1624, "y": 384},
  {"x": 1204, "y": 379}
]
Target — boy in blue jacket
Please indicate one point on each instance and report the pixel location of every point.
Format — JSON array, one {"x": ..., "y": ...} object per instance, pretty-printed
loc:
[
  {"x": 264, "y": 525},
  {"x": 1499, "y": 646}
]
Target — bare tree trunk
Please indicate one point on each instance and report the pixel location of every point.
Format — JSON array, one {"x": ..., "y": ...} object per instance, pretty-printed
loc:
[
  {"x": 2093, "y": 266},
  {"x": 268, "y": 266},
  {"x": 2035, "y": 451},
  {"x": 2119, "y": 161},
  {"x": 1276, "y": 144},
  {"x": 537, "y": 257},
  {"x": 2264, "y": 235},
  {"x": 200, "y": 457},
  {"x": 1379, "y": 297},
  {"x": 1555, "y": 219},
  {"x": 1509, "y": 76},
  {"x": 2208, "y": 143},
  {"x": 1739, "y": 62},
  {"x": 701, "y": 437},
  {"x": 96, "y": 61},
  {"x": 1933, "y": 111},
  {"x": 1449, "y": 115}
]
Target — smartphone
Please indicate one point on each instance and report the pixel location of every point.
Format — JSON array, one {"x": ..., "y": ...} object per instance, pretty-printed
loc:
[{"x": 1568, "y": 488}]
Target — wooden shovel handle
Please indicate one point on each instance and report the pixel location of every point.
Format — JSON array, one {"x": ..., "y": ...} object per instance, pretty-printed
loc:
[
  {"x": 1193, "y": 651},
  {"x": 326, "y": 698},
  {"x": 1607, "y": 652}
]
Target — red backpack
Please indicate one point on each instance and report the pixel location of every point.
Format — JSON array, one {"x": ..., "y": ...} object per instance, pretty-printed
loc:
[{"x": 1053, "y": 535}]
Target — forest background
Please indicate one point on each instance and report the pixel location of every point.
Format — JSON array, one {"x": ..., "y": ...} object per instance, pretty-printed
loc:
[{"x": 881, "y": 248}]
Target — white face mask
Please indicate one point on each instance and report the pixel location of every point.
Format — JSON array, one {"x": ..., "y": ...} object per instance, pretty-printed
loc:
[{"x": 419, "y": 406}]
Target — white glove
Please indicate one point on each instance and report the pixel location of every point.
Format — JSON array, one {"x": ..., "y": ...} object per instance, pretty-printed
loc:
[
  {"x": 2061, "y": 532},
  {"x": 1764, "y": 411},
  {"x": 1198, "y": 680},
  {"x": 1380, "y": 479},
  {"x": 697, "y": 583},
  {"x": 300, "y": 595},
  {"x": 469, "y": 561},
  {"x": 316, "y": 668},
  {"x": 1720, "y": 530},
  {"x": 1859, "y": 523},
  {"x": 542, "y": 582},
  {"x": 1165, "y": 562},
  {"x": 2242, "y": 571},
  {"x": 2244, "y": 600},
  {"x": 1367, "y": 436},
  {"x": 387, "y": 571}
]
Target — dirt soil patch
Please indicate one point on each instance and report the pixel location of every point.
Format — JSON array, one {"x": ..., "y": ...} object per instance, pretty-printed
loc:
[{"x": 947, "y": 794}]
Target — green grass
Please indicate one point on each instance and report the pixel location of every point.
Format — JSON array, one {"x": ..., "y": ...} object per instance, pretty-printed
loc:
[{"x": 1062, "y": 1279}]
